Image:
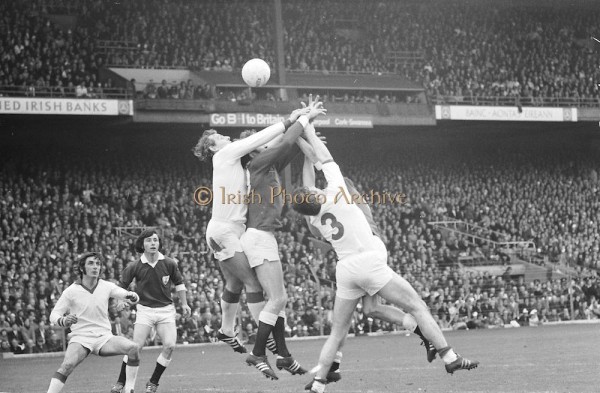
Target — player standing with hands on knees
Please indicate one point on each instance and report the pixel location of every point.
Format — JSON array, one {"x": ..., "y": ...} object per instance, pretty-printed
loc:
[
  {"x": 83, "y": 307},
  {"x": 362, "y": 267},
  {"x": 154, "y": 274}
]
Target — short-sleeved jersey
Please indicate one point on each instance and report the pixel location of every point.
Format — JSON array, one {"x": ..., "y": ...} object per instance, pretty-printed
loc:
[
  {"x": 340, "y": 221},
  {"x": 90, "y": 305},
  {"x": 264, "y": 213},
  {"x": 153, "y": 284}
]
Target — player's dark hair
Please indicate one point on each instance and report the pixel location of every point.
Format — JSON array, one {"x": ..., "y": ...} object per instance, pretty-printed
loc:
[
  {"x": 305, "y": 202},
  {"x": 202, "y": 149},
  {"x": 139, "y": 242},
  {"x": 80, "y": 262}
]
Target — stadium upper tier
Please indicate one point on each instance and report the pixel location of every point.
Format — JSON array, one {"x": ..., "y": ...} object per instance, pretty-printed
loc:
[{"x": 471, "y": 52}]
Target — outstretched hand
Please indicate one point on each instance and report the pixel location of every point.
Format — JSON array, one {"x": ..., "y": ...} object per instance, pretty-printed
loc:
[
  {"x": 315, "y": 107},
  {"x": 299, "y": 112}
]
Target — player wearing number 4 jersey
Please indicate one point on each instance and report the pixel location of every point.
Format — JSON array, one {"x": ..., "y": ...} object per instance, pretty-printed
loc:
[
  {"x": 83, "y": 307},
  {"x": 362, "y": 268}
]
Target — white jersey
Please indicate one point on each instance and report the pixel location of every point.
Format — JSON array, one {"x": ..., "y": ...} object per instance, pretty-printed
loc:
[
  {"x": 229, "y": 178},
  {"x": 340, "y": 221},
  {"x": 230, "y": 183},
  {"x": 89, "y": 305}
]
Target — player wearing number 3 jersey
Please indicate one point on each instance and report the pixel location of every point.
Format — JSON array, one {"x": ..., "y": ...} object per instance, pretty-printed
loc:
[{"x": 362, "y": 267}]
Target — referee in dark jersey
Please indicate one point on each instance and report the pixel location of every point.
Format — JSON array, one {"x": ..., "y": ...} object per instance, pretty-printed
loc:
[{"x": 154, "y": 274}]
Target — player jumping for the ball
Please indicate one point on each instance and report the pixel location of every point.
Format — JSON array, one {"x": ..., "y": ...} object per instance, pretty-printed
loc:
[
  {"x": 228, "y": 220},
  {"x": 362, "y": 267},
  {"x": 260, "y": 246}
]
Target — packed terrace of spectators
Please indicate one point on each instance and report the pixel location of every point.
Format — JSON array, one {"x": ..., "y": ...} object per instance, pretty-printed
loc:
[
  {"x": 58, "y": 201},
  {"x": 528, "y": 55}
]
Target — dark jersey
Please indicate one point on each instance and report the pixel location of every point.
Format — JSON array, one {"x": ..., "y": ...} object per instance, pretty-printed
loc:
[
  {"x": 265, "y": 214},
  {"x": 153, "y": 283}
]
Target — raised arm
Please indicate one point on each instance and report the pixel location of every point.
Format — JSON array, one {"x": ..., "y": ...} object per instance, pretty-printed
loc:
[
  {"x": 241, "y": 147},
  {"x": 244, "y": 146},
  {"x": 279, "y": 155},
  {"x": 306, "y": 148},
  {"x": 322, "y": 153},
  {"x": 308, "y": 173}
]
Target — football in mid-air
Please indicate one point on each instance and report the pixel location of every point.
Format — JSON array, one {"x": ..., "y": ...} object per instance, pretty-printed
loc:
[{"x": 256, "y": 73}]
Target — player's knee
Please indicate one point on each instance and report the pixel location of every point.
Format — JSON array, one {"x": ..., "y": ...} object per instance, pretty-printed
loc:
[
  {"x": 133, "y": 349},
  {"x": 280, "y": 301},
  {"x": 369, "y": 309},
  {"x": 168, "y": 348},
  {"x": 234, "y": 286},
  {"x": 416, "y": 305}
]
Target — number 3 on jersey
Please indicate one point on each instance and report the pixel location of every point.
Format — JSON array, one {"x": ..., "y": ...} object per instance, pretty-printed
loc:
[{"x": 334, "y": 224}]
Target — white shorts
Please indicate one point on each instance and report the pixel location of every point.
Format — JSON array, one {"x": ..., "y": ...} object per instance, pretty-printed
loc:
[
  {"x": 152, "y": 316},
  {"x": 223, "y": 238},
  {"x": 259, "y": 245},
  {"x": 360, "y": 274},
  {"x": 92, "y": 342}
]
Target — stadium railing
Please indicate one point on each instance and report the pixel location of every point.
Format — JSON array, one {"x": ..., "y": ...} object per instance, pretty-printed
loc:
[
  {"x": 62, "y": 92},
  {"x": 514, "y": 101}
]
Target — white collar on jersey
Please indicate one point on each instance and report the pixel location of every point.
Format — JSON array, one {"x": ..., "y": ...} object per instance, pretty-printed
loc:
[{"x": 145, "y": 260}]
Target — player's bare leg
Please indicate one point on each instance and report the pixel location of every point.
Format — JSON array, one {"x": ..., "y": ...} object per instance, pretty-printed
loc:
[
  {"x": 233, "y": 269},
  {"x": 74, "y": 355},
  {"x": 398, "y": 291},
  {"x": 140, "y": 334},
  {"x": 270, "y": 276},
  {"x": 168, "y": 335},
  {"x": 119, "y": 345},
  {"x": 342, "y": 317},
  {"x": 373, "y": 308}
]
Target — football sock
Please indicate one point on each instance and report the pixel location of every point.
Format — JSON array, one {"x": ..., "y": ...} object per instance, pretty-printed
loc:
[
  {"x": 336, "y": 362},
  {"x": 318, "y": 386},
  {"x": 448, "y": 355},
  {"x": 279, "y": 336},
  {"x": 266, "y": 324},
  {"x": 57, "y": 383},
  {"x": 229, "y": 307},
  {"x": 123, "y": 375},
  {"x": 131, "y": 372},
  {"x": 161, "y": 364},
  {"x": 418, "y": 333}
]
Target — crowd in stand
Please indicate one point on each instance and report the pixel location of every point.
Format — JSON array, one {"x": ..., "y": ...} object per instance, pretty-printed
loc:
[
  {"x": 523, "y": 55},
  {"x": 55, "y": 206}
]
